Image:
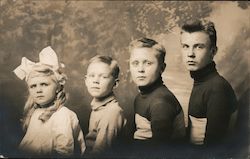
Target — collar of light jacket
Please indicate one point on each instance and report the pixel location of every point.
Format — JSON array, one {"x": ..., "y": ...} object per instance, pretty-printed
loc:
[{"x": 98, "y": 104}]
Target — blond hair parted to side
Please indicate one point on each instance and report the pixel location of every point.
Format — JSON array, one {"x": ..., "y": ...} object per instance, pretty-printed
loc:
[
  {"x": 149, "y": 43},
  {"x": 109, "y": 61},
  {"x": 59, "y": 78}
]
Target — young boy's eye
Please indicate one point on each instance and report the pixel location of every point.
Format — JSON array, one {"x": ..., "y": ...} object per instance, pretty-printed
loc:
[
  {"x": 135, "y": 63},
  {"x": 184, "y": 46},
  {"x": 90, "y": 75}
]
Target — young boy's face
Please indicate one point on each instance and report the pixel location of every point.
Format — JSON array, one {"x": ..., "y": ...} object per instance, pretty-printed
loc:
[
  {"x": 42, "y": 89},
  {"x": 196, "y": 50},
  {"x": 144, "y": 66},
  {"x": 99, "y": 80}
]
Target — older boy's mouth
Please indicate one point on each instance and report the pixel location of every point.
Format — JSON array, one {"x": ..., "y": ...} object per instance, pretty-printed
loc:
[
  {"x": 141, "y": 77},
  {"x": 191, "y": 62},
  {"x": 95, "y": 88}
]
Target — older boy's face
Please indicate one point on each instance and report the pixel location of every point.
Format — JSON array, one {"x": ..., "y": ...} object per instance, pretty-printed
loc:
[
  {"x": 99, "y": 80},
  {"x": 144, "y": 66},
  {"x": 196, "y": 50}
]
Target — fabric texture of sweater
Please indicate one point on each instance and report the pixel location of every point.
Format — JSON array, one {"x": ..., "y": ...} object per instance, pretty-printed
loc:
[
  {"x": 159, "y": 117},
  {"x": 211, "y": 104}
]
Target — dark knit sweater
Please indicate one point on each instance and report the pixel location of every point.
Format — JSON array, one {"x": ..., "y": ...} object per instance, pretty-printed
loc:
[
  {"x": 162, "y": 110},
  {"x": 212, "y": 98}
]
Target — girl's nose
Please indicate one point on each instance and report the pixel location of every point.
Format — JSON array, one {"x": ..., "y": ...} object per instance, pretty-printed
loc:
[{"x": 39, "y": 89}]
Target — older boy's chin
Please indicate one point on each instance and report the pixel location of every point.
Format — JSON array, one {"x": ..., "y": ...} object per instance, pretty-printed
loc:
[{"x": 141, "y": 84}]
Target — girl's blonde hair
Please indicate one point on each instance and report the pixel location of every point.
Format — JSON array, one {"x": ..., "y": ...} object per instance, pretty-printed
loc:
[{"x": 59, "y": 78}]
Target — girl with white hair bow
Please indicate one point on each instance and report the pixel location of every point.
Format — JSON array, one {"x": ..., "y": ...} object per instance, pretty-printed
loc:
[{"x": 51, "y": 128}]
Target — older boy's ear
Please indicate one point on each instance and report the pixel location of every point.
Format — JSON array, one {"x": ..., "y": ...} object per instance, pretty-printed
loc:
[
  {"x": 214, "y": 51},
  {"x": 163, "y": 67},
  {"x": 116, "y": 83}
]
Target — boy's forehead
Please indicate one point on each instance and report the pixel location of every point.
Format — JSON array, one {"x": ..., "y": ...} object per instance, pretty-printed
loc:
[
  {"x": 195, "y": 37},
  {"x": 98, "y": 66},
  {"x": 144, "y": 52}
]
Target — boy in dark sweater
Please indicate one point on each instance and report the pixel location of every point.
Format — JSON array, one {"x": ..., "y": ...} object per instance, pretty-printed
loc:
[
  {"x": 212, "y": 99},
  {"x": 159, "y": 116}
]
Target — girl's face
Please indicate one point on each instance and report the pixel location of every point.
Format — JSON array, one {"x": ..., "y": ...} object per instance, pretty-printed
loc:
[
  {"x": 99, "y": 80},
  {"x": 42, "y": 89}
]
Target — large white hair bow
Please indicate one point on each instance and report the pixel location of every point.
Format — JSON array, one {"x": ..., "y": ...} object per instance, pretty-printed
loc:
[{"x": 46, "y": 57}]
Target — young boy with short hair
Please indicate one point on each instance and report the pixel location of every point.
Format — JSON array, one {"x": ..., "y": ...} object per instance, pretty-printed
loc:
[
  {"x": 106, "y": 119},
  {"x": 159, "y": 116}
]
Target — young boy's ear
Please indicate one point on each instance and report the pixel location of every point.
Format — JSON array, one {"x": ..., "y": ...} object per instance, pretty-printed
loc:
[{"x": 116, "y": 83}]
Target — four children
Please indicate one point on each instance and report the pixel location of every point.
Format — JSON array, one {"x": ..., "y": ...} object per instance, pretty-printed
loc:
[{"x": 52, "y": 129}]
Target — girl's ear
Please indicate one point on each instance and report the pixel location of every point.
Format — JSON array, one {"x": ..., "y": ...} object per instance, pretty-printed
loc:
[{"x": 116, "y": 83}]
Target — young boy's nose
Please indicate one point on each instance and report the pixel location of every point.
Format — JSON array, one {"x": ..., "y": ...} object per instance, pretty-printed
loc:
[{"x": 96, "y": 79}]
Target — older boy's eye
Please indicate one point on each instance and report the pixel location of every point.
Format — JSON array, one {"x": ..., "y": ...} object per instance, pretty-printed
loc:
[
  {"x": 200, "y": 46},
  {"x": 148, "y": 63}
]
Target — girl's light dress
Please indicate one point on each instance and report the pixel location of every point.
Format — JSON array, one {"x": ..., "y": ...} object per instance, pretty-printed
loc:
[{"x": 60, "y": 134}]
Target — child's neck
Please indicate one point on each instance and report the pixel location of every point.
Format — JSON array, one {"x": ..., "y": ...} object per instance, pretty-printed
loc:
[
  {"x": 46, "y": 105},
  {"x": 103, "y": 98}
]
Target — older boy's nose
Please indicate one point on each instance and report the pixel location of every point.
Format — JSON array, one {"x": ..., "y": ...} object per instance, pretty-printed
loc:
[
  {"x": 141, "y": 68},
  {"x": 191, "y": 53}
]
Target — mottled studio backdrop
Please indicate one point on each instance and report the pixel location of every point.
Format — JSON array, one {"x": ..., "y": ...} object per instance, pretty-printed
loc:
[{"x": 78, "y": 30}]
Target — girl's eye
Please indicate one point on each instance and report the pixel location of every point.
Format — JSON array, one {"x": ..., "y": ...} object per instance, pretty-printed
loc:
[
  {"x": 32, "y": 86},
  {"x": 44, "y": 84},
  {"x": 105, "y": 76}
]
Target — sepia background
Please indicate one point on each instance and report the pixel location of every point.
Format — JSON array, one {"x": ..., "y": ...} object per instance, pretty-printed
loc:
[{"x": 79, "y": 30}]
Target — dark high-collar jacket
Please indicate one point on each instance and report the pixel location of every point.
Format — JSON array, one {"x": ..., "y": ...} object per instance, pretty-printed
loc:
[{"x": 213, "y": 99}]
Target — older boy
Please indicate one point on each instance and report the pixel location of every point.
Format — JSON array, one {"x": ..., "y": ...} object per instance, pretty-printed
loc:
[
  {"x": 159, "y": 117},
  {"x": 212, "y": 99},
  {"x": 106, "y": 119}
]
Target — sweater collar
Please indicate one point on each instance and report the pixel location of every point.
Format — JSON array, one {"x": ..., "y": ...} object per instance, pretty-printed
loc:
[
  {"x": 96, "y": 104},
  {"x": 204, "y": 73},
  {"x": 149, "y": 88}
]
